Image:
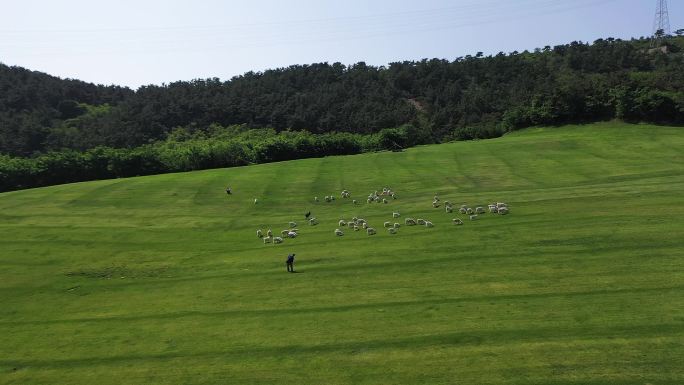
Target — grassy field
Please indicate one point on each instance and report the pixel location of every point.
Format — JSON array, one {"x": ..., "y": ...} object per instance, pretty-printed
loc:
[{"x": 161, "y": 279}]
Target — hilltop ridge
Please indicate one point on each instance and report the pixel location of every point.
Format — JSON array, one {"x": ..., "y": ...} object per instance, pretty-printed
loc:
[{"x": 467, "y": 97}]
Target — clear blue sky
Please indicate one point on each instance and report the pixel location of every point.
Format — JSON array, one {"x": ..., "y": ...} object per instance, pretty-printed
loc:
[{"x": 136, "y": 42}]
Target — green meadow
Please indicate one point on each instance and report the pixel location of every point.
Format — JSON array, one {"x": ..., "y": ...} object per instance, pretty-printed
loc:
[{"x": 162, "y": 280}]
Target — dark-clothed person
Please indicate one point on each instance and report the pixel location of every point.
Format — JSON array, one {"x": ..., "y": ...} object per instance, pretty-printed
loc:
[{"x": 290, "y": 263}]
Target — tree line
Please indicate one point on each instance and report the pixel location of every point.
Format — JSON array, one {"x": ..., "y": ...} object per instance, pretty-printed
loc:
[
  {"x": 469, "y": 97},
  {"x": 214, "y": 147}
]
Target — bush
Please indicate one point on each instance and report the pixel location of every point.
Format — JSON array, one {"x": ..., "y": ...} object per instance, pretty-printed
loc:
[{"x": 196, "y": 152}]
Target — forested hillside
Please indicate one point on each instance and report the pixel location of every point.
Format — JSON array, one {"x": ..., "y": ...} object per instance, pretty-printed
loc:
[
  {"x": 34, "y": 106},
  {"x": 472, "y": 96},
  {"x": 56, "y": 131}
]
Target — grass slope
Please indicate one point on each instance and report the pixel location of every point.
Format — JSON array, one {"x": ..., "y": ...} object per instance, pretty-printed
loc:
[{"x": 161, "y": 279}]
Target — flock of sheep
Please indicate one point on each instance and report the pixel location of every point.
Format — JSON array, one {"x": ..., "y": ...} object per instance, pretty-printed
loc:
[
  {"x": 372, "y": 197},
  {"x": 289, "y": 233},
  {"x": 357, "y": 224}
]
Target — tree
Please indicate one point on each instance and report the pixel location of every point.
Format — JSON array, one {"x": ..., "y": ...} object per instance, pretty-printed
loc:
[{"x": 70, "y": 109}]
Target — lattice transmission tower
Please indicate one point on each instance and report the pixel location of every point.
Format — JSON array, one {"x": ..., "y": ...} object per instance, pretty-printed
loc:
[{"x": 661, "y": 22}]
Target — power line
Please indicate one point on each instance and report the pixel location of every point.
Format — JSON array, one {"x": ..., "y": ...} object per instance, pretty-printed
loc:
[
  {"x": 474, "y": 6},
  {"x": 354, "y": 28}
]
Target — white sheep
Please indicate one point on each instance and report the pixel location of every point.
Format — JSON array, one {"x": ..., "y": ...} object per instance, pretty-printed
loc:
[
  {"x": 394, "y": 196},
  {"x": 256, "y": 201},
  {"x": 420, "y": 221},
  {"x": 429, "y": 224},
  {"x": 436, "y": 198},
  {"x": 397, "y": 225},
  {"x": 463, "y": 210},
  {"x": 364, "y": 225},
  {"x": 269, "y": 233},
  {"x": 313, "y": 221},
  {"x": 457, "y": 221},
  {"x": 392, "y": 230},
  {"x": 354, "y": 201},
  {"x": 356, "y": 228},
  {"x": 410, "y": 222},
  {"x": 493, "y": 209},
  {"x": 503, "y": 210},
  {"x": 396, "y": 215},
  {"x": 387, "y": 224},
  {"x": 448, "y": 209},
  {"x": 470, "y": 211},
  {"x": 435, "y": 204},
  {"x": 267, "y": 239},
  {"x": 284, "y": 232},
  {"x": 341, "y": 223},
  {"x": 369, "y": 200},
  {"x": 479, "y": 210},
  {"x": 259, "y": 234},
  {"x": 293, "y": 224},
  {"x": 315, "y": 199},
  {"x": 473, "y": 217},
  {"x": 371, "y": 231},
  {"x": 292, "y": 234},
  {"x": 277, "y": 240},
  {"x": 339, "y": 232}
]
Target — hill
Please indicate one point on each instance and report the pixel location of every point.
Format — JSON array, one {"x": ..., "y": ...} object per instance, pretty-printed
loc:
[
  {"x": 475, "y": 96},
  {"x": 161, "y": 279}
]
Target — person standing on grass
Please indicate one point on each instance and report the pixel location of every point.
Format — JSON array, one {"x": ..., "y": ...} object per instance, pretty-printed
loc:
[{"x": 290, "y": 263}]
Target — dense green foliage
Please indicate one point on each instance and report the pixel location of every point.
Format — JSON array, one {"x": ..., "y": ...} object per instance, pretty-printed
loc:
[
  {"x": 34, "y": 106},
  {"x": 184, "y": 151},
  {"x": 470, "y": 97},
  {"x": 161, "y": 279}
]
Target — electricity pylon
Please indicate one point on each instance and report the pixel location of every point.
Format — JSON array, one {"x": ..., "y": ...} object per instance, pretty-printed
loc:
[{"x": 661, "y": 23}]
